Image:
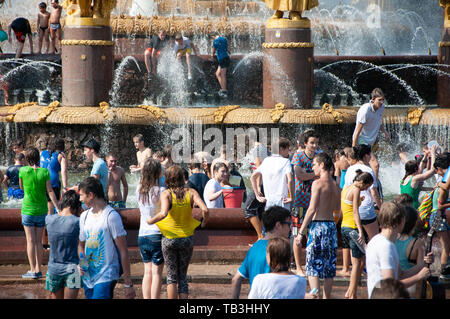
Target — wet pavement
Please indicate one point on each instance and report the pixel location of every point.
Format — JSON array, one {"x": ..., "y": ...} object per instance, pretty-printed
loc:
[{"x": 206, "y": 281}]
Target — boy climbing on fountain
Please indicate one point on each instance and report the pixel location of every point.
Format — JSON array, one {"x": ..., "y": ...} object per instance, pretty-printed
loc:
[
  {"x": 55, "y": 25},
  {"x": 220, "y": 51},
  {"x": 184, "y": 47},
  {"x": 21, "y": 28}
]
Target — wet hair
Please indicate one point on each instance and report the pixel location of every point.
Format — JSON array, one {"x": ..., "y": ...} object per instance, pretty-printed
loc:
[
  {"x": 55, "y": 144},
  {"x": 71, "y": 199},
  {"x": 309, "y": 133},
  {"x": 219, "y": 165},
  {"x": 391, "y": 215},
  {"x": 282, "y": 142},
  {"x": 158, "y": 154},
  {"x": 43, "y": 5},
  {"x": 19, "y": 157},
  {"x": 139, "y": 138},
  {"x": 149, "y": 179},
  {"x": 273, "y": 215},
  {"x": 56, "y": 1},
  {"x": 403, "y": 199},
  {"x": 178, "y": 36},
  {"x": 279, "y": 252},
  {"x": 193, "y": 164},
  {"x": 167, "y": 152},
  {"x": 361, "y": 151},
  {"x": 410, "y": 220},
  {"x": 389, "y": 288},
  {"x": 175, "y": 180},
  {"x": 111, "y": 154},
  {"x": 377, "y": 92},
  {"x": 442, "y": 161},
  {"x": 17, "y": 143},
  {"x": 364, "y": 177},
  {"x": 91, "y": 185},
  {"x": 326, "y": 160},
  {"x": 410, "y": 168},
  {"x": 350, "y": 153},
  {"x": 32, "y": 156}
]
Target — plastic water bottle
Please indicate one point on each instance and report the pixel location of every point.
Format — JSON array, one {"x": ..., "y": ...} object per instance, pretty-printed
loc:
[
  {"x": 354, "y": 235},
  {"x": 84, "y": 264}
]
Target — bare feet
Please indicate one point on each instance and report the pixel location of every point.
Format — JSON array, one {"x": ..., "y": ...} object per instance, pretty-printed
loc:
[{"x": 343, "y": 273}]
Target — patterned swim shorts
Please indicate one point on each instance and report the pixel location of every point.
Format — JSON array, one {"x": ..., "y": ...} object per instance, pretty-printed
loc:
[
  {"x": 118, "y": 204},
  {"x": 321, "y": 249},
  {"x": 72, "y": 280}
]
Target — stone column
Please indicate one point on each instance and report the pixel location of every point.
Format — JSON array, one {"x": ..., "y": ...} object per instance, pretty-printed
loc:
[
  {"x": 288, "y": 61},
  {"x": 87, "y": 61},
  {"x": 443, "y": 81}
]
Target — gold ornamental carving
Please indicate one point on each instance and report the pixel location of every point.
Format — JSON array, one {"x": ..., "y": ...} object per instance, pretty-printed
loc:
[
  {"x": 88, "y": 42},
  {"x": 278, "y": 112},
  {"x": 15, "y": 108},
  {"x": 414, "y": 114},
  {"x": 221, "y": 112},
  {"x": 444, "y": 44},
  {"x": 282, "y": 23},
  {"x": 287, "y": 45},
  {"x": 338, "y": 117},
  {"x": 47, "y": 110},
  {"x": 156, "y": 112}
]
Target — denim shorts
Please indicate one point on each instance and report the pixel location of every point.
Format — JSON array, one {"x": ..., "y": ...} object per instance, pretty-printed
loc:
[
  {"x": 150, "y": 249},
  {"x": 34, "y": 221},
  {"x": 356, "y": 252}
]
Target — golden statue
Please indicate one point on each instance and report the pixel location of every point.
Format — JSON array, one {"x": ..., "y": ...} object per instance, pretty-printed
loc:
[
  {"x": 446, "y": 5},
  {"x": 97, "y": 9},
  {"x": 295, "y": 7}
]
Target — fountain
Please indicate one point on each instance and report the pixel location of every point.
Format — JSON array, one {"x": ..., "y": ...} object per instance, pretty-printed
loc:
[{"x": 282, "y": 74}]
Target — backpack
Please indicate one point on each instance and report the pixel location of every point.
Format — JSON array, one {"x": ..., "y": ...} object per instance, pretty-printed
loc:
[
  {"x": 425, "y": 208},
  {"x": 117, "y": 249}
]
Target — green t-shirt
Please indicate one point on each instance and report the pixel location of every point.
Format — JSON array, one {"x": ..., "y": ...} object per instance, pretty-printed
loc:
[{"x": 34, "y": 186}]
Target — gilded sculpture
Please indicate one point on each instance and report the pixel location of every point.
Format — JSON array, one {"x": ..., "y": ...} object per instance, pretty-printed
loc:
[
  {"x": 101, "y": 9},
  {"x": 446, "y": 5},
  {"x": 295, "y": 7}
]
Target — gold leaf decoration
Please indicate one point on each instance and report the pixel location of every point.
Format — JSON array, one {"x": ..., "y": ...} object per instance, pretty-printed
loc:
[{"x": 221, "y": 112}]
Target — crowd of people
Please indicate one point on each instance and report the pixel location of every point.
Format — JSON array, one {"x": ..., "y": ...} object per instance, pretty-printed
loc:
[{"x": 298, "y": 197}]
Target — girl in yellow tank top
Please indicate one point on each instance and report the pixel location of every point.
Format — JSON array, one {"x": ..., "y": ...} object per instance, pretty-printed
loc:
[
  {"x": 175, "y": 219},
  {"x": 350, "y": 201}
]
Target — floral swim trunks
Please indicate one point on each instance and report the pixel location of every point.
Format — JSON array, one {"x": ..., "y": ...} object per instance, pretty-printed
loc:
[
  {"x": 321, "y": 249},
  {"x": 118, "y": 204},
  {"x": 72, "y": 280}
]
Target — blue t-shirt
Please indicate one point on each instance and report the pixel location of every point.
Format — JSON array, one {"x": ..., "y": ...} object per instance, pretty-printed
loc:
[
  {"x": 63, "y": 232},
  {"x": 100, "y": 168},
  {"x": 255, "y": 262},
  {"x": 44, "y": 158},
  {"x": 221, "y": 46},
  {"x": 198, "y": 182},
  {"x": 13, "y": 174}
]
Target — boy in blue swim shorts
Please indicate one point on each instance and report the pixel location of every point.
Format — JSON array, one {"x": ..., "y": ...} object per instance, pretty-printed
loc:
[{"x": 321, "y": 248}]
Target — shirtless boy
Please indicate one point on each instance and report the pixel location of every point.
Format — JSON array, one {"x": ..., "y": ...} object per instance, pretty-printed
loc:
[
  {"x": 42, "y": 22},
  {"x": 321, "y": 251},
  {"x": 142, "y": 153},
  {"x": 55, "y": 24},
  {"x": 116, "y": 175}
]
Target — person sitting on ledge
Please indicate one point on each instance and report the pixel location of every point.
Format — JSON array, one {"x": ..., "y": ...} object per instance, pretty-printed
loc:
[
  {"x": 184, "y": 47},
  {"x": 153, "y": 52}
]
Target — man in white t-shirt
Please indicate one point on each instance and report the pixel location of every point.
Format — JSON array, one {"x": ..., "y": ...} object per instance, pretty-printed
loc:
[
  {"x": 213, "y": 193},
  {"x": 368, "y": 124},
  {"x": 103, "y": 243},
  {"x": 277, "y": 180},
  {"x": 184, "y": 47},
  {"x": 382, "y": 259}
]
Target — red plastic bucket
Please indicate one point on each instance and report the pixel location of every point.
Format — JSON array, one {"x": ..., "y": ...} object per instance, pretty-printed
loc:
[{"x": 232, "y": 197}]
